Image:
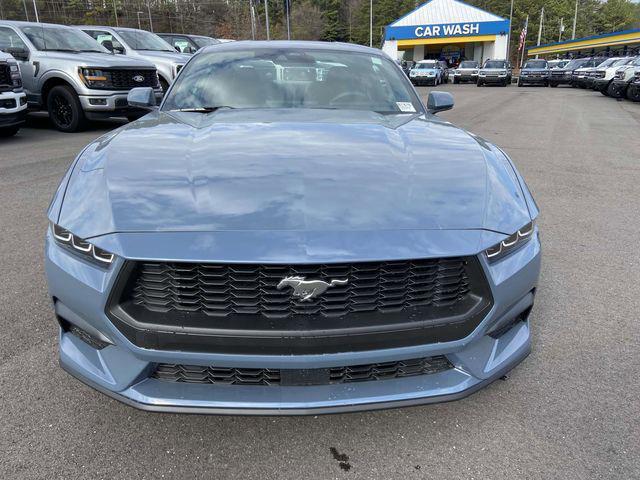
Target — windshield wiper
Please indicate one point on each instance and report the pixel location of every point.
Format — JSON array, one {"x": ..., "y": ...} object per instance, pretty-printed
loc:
[{"x": 201, "y": 109}]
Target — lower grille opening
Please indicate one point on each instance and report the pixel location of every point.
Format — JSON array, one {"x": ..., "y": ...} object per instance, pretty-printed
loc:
[
  {"x": 522, "y": 317},
  {"x": 213, "y": 375},
  {"x": 83, "y": 335}
]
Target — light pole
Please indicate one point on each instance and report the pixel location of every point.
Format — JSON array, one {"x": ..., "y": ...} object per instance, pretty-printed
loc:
[
  {"x": 509, "y": 37},
  {"x": 139, "y": 24},
  {"x": 115, "y": 12},
  {"x": 286, "y": 3},
  {"x": 371, "y": 23},
  {"x": 35, "y": 9},
  {"x": 575, "y": 20},
  {"x": 266, "y": 17},
  {"x": 150, "y": 21}
]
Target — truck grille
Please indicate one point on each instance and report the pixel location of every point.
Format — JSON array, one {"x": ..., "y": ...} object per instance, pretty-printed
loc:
[
  {"x": 227, "y": 290},
  {"x": 5, "y": 78},
  {"x": 124, "y": 79},
  {"x": 289, "y": 377}
]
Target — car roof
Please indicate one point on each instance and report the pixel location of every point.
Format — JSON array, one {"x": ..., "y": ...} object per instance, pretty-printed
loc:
[
  {"x": 292, "y": 45},
  {"x": 20, "y": 23}
]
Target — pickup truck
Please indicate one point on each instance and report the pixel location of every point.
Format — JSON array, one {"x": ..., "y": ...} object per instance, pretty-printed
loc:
[
  {"x": 622, "y": 79},
  {"x": 603, "y": 75},
  {"x": 66, "y": 73},
  {"x": 143, "y": 45},
  {"x": 13, "y": 101},
  {"x": 563, "y": 76}
]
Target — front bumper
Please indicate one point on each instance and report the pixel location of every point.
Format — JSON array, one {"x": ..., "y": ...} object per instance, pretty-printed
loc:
[
  {"x": 560, "y": 79},
  {"x": 470, "y": 77},
  {"x": 423, "y": 80},
  {"x": 533, "y": 80},
  {"x": 123, "y": 371},
  {"x": 493, "y": 79},
  {"x": 16, "y": 110},
  {"x": 110, "y": 104},
  {"x": 601, "y": 84}
]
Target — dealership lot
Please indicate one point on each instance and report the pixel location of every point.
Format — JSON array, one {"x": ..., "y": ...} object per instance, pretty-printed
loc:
[{"x": 569, "y": 411}]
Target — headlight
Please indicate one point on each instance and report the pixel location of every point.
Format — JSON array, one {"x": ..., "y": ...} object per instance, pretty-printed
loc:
[
  {"x": 15, "y": 75},
  {"x": 511, "y": 243},
  {"x": 80, "y": 247},
  {"x": 475, "y": 72},
  {"x": 95, "y": 78},
  {"x": 482, "y": 74}
]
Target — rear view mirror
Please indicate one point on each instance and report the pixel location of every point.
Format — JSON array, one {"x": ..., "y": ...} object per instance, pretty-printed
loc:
[
  {"x": 142, "y": 97},
  {"x": 18, "y": 53},
  {"x": 439, "y": 102}
]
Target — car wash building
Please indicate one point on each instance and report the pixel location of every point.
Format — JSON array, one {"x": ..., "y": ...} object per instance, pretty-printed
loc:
[{"x": 447, "y": 30}]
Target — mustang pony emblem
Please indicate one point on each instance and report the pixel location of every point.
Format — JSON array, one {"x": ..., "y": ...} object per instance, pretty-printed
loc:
[{"x": 306, "y": 290}]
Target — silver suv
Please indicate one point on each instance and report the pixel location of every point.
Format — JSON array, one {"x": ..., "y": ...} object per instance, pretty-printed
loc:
[
  {"x": 72, "y": 77},
  {"x": 13, "y": 101},
  {"x": 141, "y": 44}
]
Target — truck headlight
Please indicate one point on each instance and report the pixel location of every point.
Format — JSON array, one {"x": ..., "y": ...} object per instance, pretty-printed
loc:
[
  {"x": 14, "y": 71},
  {"x": 78, "y": 246},
  {"x": 95, "y": 78},
  {"x": 511, "y": 243}
]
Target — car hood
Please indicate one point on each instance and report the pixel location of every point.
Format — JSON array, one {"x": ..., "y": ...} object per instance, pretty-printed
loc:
[
  {"x": 176, "y": 57},
  {"x": 89, "y": 59},
  {"x": 290, "y": 170}
]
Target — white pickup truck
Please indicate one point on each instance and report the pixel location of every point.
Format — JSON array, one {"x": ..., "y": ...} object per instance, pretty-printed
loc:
[{"x": 13, "y": 101}]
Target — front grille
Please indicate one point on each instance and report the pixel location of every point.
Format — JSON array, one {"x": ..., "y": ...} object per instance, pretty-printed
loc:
[
  {"x": 228, "y": 290},
  {"x": 289, "y": 377},
  {"x": 238, "y": 308},
  {"x": 558, "y": 74},
  {"x": 124, "y": 79},
  {"x": 9, "y": 103},
  {"x": 6, "y": 83}
]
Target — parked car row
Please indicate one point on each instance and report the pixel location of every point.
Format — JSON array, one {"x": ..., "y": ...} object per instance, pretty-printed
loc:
[
  {"x": 434, "y": 72},
  {"x": 83, "y": 73}
]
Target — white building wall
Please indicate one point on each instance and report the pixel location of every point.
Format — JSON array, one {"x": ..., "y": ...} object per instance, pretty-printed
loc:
[
  {"x": 500, "y": 47},
  {"x": 418, "y": 53},
  {"x": 390, "y": 47}
]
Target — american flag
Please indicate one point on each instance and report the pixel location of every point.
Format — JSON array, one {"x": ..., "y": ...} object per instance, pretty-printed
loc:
[{"x": 523, "y": 34}]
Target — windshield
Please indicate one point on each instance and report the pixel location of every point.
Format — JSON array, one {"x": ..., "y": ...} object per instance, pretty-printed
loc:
[
  {"x": 61, "y": 39},
  {"x": 142, "y": 40},
  {"x": 536, "y": 64},
  {"x": 426, "y": 65},
  {"x": 291, "y": 78},
  {"x": 204, "y": 41},
  {"x": 469, "y": 65},
  {"x": 577, "y": 63},
  {"x": 494, "y": 64}
]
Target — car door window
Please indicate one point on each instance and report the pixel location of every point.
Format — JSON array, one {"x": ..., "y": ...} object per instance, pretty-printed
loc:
[
  {"x": 183, "y": 44},
  {"x": 103, "y": 37},
  {"x": 10, "y": 40}
]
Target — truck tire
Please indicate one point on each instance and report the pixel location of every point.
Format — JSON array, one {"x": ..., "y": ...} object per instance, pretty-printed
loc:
[
  {"x": 65, "y": 111},
  {"x": 612, "y": 91},
  {"x": 553, "y": 85},
  {"x": 456, "y": 81},
  {"x": 8, "y": 131},
  {"x": 479, "y": 84},
  {"x": 520, "y": 83},
  {"x": 633, "y": 93}
]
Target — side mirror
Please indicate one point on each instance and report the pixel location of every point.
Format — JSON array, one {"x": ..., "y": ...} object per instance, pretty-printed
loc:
[
  {"x": 142, "y": 97},
  {"x": 18, "y": 53},
  {"x": 439, "y": 102},
  {"x": 108, "y": 44}
]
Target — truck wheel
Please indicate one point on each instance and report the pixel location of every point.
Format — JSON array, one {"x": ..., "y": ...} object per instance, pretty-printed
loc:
[
  {"x": 479, "y": 84},
  {"x": 65, "y": 111},
  {"x": 520, "y": 83},
  {"x": 8, "y": 131},
  {"x": 456, "y": 81},
  {"x": 553, "y": 85},
  {"x": 612, "y": 91},
  {"x": 633, "y": 93}
]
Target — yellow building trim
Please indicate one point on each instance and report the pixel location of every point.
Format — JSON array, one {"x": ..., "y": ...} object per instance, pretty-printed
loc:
[
  {"x": 441, "y": 40},
  {"x": 613, "y": 40}
]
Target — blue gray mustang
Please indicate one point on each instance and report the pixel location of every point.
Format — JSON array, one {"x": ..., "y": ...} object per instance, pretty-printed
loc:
[{"x": 291, "y": 232}]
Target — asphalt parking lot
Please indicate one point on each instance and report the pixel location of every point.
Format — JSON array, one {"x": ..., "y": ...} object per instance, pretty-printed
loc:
[{"x": 571, "y": 410}]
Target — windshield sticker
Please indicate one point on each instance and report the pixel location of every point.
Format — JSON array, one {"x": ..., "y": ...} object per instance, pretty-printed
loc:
[
  {"x": 376, "y": 61},
  {"x": 406, "y": 107}
]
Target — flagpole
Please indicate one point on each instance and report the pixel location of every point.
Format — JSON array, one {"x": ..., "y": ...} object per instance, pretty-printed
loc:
[
  {"x": 523, "y": 36},
  {"x": 575, "y": 20},
  {"x": 509, "y": 38},
  {"x": 540, "y": 28}
]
